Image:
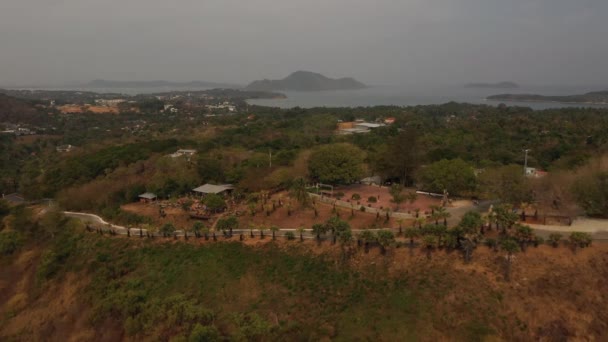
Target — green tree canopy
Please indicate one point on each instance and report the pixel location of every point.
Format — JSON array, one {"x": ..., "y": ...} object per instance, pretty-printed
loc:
[
  {"x": 227, "y": 223},
  {"x": 215, "y": 202},
  {"x": 337, "y": 164},
  {"x": 400, "y": 158},
  {"x": 455, "y": 176},
  {"x": 506, "y": 183},
  {"x": 591, "y": 193}
]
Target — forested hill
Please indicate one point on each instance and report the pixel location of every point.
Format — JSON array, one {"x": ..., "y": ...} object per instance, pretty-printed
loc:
[
  {"x": 598, "y": 97},
  {"x": 306, "y": 81},
  {"x": 499, "y": 85},
  {"x": 18, "y": 111}
]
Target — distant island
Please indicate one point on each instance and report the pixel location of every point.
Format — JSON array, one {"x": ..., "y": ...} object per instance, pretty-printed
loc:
[
  {"x": 306, "y": 81},
  {"x": 598, "y": 97},
  {"x": 499, "y": 85},
  {"x": 156, "y": 84}
]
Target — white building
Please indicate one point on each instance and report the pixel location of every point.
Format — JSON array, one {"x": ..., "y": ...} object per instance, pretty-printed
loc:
[{"x": 183, "y": 152}]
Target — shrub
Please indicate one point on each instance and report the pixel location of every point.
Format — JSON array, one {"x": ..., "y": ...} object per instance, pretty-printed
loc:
[
  {"x": 356, "y": 197},
  {"x": 580, "y": 239},
  {"x": 290, "y": 236},
  {"x": 339, "y": 195},
  {"x": 215, "y": 202},
  {"x": 10, "y": 241},
  {"x": 554, "y": 239},
  {"x": 372, "y": 199},
  {"x": 202, "y": 333}
]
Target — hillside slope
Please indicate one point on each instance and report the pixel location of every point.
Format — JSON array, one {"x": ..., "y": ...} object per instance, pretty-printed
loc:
[
  {"x": 15, "y": 110},
  {"x": 83, "y": 285}
]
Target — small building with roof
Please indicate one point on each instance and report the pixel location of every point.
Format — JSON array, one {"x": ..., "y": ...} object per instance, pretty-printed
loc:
[
  {"x": 14, "y": 198},
  {"x": 147, "y": 197},
  {"x": 213, "y": 189},
  {"x": 183, "y": 152}
]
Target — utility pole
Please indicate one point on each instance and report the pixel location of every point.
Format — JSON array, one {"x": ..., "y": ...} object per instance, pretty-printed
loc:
[
  {"x": 526, "y": 160},
  {"x": 269, "y": 158}
]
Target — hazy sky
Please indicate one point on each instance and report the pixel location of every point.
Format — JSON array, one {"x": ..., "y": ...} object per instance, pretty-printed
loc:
[{"x": 375, "y": 41}]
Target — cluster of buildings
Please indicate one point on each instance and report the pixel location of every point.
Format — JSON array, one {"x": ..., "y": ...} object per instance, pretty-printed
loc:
[
  {"x": 217, "y": 189},
  {"x": 183, "y": 153},
  {"x": 223, "y": 106},
  {"x": 109, "y": 103},
  {"x": 361, "y": 126},
  {"x": 17, "y": 130}
]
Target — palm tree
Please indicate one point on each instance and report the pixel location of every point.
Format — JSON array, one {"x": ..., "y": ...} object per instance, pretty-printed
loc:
[
  {"x": 319, "y": 229},
  {"x": 197, "y": 227},
  {"x": 511, "y": 247},
  {"x": 346, "y": 239},
  {"x": 524, "y": 235},
  {"x": 430, "y": 243},
  {"x": 168, "y": 229},
  {"x": 385, "y": 239},
  {"x": 505, "y": 217},
  {"x": 274, "y": 229},
  {"x": 205, "y": 231},
  {"x": 411, "y": 233},
  {"x": 579, "y": 239},
  {"x": 434, "y": 209},
  {"x": 252, "y": 226},
  {"x": 128, "y": 231},
  {"x": 151, "y": 231},
  {"x": 400, "y": 221},
  {"x": 299, "y": 193},
  {"x": 442, "y": 214},
  {"x": 367, "y": 236},
  {"x": 420, "y": 221},
  {"x": 262, "y": 229},
  {"x": 300, "y": 231}
]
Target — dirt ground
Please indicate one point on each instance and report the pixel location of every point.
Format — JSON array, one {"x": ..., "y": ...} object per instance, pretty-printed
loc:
[
  {"x": 93, "y": 109},
  {"x": 177, "y": 216},
  {"x": 300, "y": 217},
  {"x": 383, "y": 196}
]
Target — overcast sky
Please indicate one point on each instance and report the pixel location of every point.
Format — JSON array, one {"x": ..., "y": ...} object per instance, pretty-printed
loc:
[{"x": 377, "y": 42}]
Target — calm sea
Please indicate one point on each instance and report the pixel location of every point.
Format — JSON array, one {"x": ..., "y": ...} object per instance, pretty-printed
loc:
[
  {"x": 420, "y": 95},
  {"x": 389, "y": 95}
]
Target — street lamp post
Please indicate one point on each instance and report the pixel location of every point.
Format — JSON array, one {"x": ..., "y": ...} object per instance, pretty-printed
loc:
[{"x": 526, "y": 161}]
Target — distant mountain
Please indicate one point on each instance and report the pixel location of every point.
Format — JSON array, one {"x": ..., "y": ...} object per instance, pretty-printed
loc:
[
  {"x": 499, "y": 85},
  {"x": 306, "y": 81},
  {"x": 156, "y": 84},
  {"x": 598, "y": 97}
]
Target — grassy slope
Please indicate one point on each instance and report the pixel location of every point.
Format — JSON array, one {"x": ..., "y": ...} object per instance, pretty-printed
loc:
[{"x": 141, "y": 289}]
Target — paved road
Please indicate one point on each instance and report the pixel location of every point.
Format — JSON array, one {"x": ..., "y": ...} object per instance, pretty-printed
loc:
[{"x": 97, "y": 222}]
